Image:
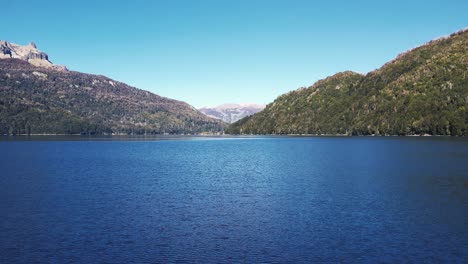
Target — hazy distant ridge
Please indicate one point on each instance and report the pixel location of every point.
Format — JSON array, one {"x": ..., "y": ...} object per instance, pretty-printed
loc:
[{"x": 232, "y": 112}]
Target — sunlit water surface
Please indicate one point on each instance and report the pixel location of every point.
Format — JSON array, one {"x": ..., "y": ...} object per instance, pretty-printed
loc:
[{"x": 231, "y": 200}]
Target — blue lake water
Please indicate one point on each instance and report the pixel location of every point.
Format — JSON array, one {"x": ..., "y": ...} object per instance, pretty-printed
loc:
[{"x": 234, "y": 200}]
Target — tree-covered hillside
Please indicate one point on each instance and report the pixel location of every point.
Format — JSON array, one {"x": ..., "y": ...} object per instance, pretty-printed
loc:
[
  {"x": 422, "y": 91},
  {"x": 38, "y": 100}
]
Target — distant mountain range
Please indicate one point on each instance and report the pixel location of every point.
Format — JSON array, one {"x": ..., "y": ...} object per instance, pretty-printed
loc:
[
  {"x": 230, "y": 113},
  {"x": 422, "y": 91},
  {"x": 38, "y": 97}
]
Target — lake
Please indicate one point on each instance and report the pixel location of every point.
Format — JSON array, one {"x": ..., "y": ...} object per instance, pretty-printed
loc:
[{"x": 233, "y": 200}]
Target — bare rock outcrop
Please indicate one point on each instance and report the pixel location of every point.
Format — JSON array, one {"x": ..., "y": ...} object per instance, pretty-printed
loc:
[{"x": 28, "y": 53}]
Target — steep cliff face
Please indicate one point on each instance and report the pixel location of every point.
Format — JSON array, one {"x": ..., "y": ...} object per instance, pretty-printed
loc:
[
  {"x": 422, "y": 91},
  {"x": 28, "y": 53}
]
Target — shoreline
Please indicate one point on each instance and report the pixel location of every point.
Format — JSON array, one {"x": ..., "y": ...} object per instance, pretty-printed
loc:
[{"x": 217, "y": 135}]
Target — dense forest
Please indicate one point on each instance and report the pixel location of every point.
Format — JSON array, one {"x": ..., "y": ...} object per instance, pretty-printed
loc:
[
  {"x": 37, "y": 100},
  {"x": 422, "y": 91}
]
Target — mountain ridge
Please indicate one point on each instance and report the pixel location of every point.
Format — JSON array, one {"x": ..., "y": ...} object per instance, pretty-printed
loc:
[
  {"x": 28, "y": 53},
  {"x": 421, "y": 91},
  {"x": 232, "y": 112},
  {"x": 40, "y": 98}
]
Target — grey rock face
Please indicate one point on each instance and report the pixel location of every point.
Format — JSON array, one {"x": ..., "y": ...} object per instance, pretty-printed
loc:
[
  {"x": 231, "y": 113},
  {"x": 5, "y": 50},
  {"x": 28, "y": 53},
  {"x": 39, "y": 56}
]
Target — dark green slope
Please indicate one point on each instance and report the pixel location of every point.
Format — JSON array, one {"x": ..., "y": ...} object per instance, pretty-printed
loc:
[
  {"x": 36, "y": 100},
  {"x": 422, "y": 91}
]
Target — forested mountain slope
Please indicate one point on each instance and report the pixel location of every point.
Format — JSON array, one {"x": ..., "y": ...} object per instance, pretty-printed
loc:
[
  {"x": 45, "y": 100},
  {"x": 422, "y": 91}
]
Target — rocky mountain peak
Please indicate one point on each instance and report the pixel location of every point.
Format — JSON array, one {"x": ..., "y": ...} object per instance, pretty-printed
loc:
[
  {"x": 232, "y": 112},
  {"x": 28, "y": 53},
  {"x": 33, "y": 45}
]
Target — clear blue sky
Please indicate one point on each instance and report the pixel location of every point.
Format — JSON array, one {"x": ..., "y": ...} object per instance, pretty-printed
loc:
[{"x": 212, "y": 52}]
